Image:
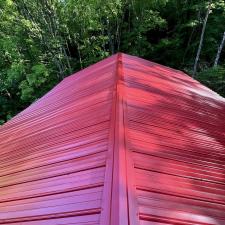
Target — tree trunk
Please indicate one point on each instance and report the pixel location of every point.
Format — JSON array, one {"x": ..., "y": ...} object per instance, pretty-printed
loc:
[
  {"x": 190, "y": 39},
  {"x": 201, "y": 39},
  {"x": 78, "y": 49},
  {"x": 219, "y": 50},
  {"x": 111, "y": 42}
]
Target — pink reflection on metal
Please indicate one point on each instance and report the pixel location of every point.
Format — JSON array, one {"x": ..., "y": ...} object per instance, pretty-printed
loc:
[{"x": 122, "y": 142}]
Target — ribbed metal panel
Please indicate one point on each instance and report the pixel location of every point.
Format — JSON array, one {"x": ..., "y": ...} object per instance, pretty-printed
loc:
[
  {"x": 123, "y": 142},
  {"x": 53, "y": 154},
  {"x": 176, "y": 133}
]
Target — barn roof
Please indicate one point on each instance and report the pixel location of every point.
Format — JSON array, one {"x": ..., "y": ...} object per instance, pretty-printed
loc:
[{"x": 122, "y": 142}]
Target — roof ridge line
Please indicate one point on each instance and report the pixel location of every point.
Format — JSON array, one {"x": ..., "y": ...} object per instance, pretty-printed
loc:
[
  {"x": 114, "y": 206},
  {"x": 120, "y": 208},
  {"x": 128, "y": 164}
]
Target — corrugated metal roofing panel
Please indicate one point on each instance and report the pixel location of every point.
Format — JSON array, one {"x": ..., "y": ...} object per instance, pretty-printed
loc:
[
  {"x": 175, "y": 131},
  {"x": 122, "y": 142},
  {"x": 53, "y": 154}
]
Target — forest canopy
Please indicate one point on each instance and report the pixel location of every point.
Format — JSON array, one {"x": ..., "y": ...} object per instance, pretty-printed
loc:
[{"x": 43, "y": 41}]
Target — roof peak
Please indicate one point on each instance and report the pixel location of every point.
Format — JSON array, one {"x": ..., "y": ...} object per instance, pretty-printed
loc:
[{"x": 118, "y": 143}]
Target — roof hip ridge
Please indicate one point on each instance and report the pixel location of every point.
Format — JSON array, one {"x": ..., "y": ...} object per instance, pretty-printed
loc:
[{"x": 119, "y": 205}]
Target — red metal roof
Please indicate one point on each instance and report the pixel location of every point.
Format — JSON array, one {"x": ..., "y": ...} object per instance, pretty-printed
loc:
[{"x": 123, "y": 142}]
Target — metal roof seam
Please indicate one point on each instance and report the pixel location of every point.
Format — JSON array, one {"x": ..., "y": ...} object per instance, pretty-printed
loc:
[
  {"x": 50, "y": 216},
  {"x": 118, "y": 202},
  {"x": 131, "y": 188},
  {"x": 121, "y": 151}
]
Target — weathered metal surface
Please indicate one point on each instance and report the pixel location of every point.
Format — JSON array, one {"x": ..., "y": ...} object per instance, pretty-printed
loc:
[{"x": 123, "y": 142}]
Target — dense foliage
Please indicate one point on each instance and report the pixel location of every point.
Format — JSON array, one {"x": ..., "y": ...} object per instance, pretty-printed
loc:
[{"x": 43, "y": 41}]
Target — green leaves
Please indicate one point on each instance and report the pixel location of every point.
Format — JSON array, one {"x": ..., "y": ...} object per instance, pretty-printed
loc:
[
  {"x": 15, "y": 73},
  {"x": 214, "y": 78},
  {"x": 38, "y": 76},
  {"x": 27, "y": 91},
  {"x": 30, "y": 87}
]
